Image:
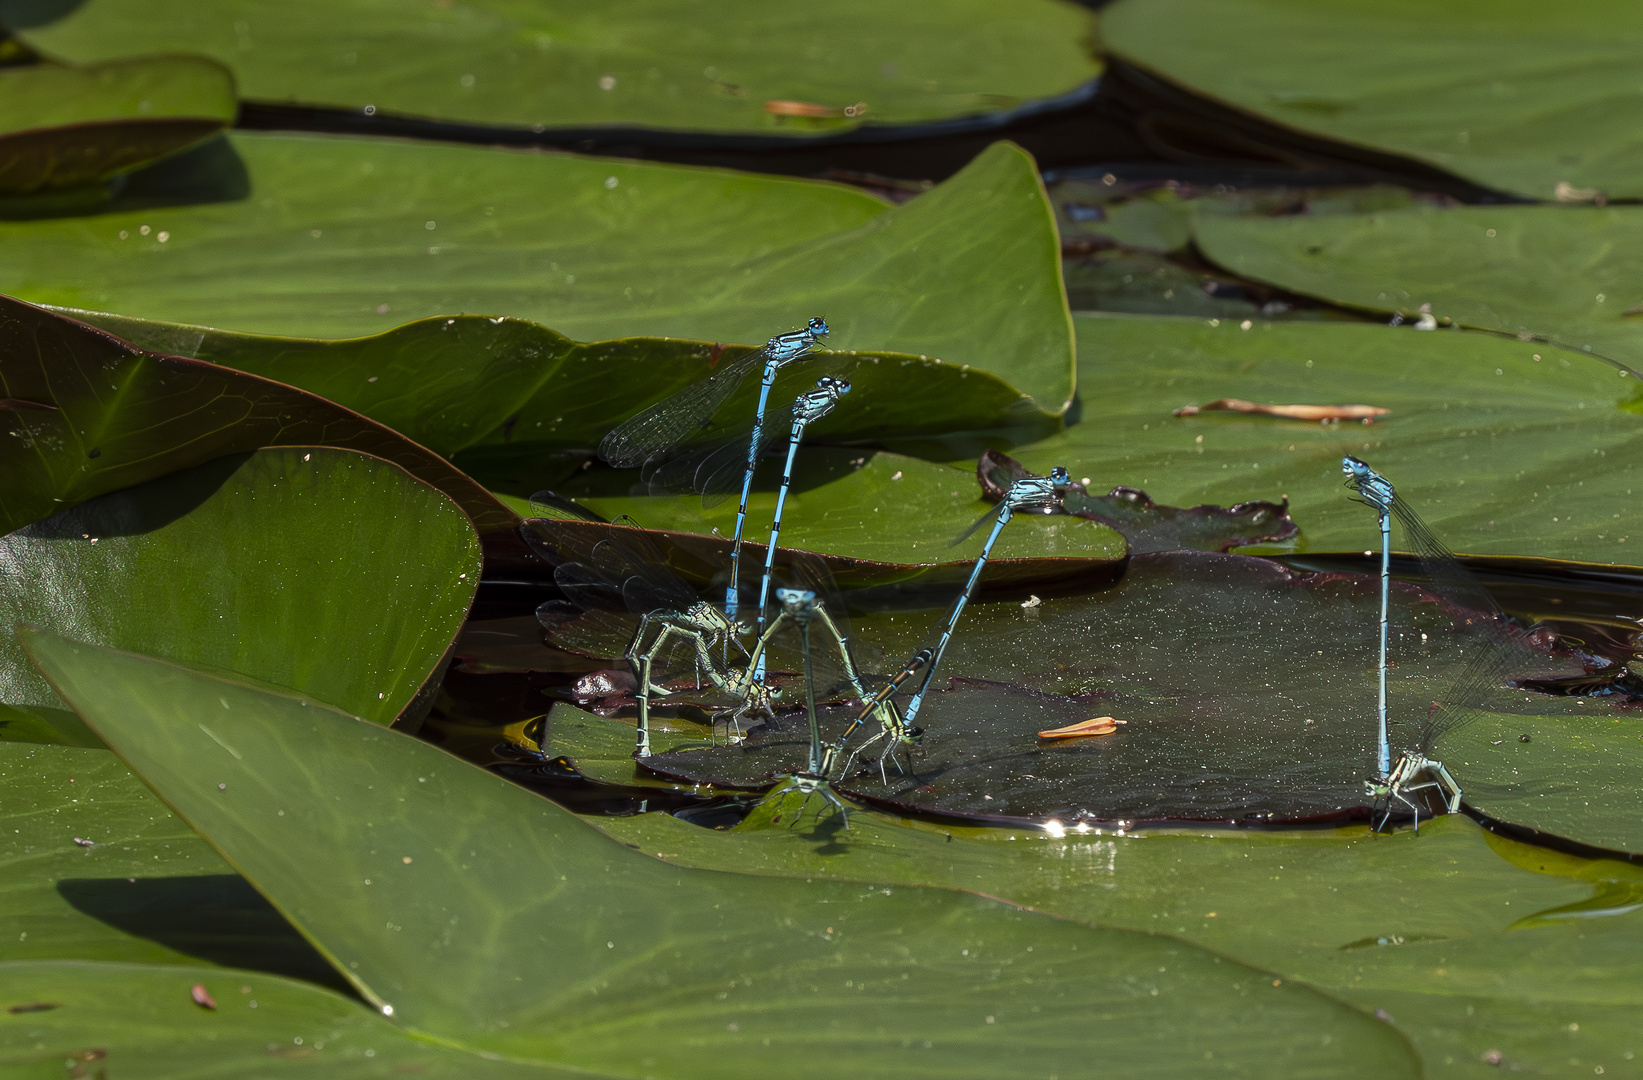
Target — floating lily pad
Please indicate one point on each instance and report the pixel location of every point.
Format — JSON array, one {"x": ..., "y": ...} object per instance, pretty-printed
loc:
[
  {"x": 652, "y": 63},
  {"x": 64, "y": 127},
  {"x": 500, "y": 386},
  {"x": 1568, "y": 275},
  {"x": 100, "y": 868},
  {"x": 1247, "y": 693},
  {"x": 1500, "y": 452},
  {"x": 1424, "y": 927},
  {"x": 314, "y": 550},
  {"x": 1574, "y": 777},
  {"x": 145, "y": 1021},
  {"x": 873, "y": 507},
  {"x": 1518, "y": 97},
  {"x": 345, "y": 237},
  {"x": 460, "y": 869},
  {"x": 67, "y": 438}
]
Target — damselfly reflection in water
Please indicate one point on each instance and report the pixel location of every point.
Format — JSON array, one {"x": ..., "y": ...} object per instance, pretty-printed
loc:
[
  {"x": 679, "y": 446},
  {"x": 1488, "y": 652}
]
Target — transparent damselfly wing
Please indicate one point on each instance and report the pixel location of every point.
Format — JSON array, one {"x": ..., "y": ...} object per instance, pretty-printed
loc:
[
  {"x": 1487, "y": 649},
  {"x": 676, "y": 419},
  {"x": 651, "y": 436},
  {"x": 714, "y": 465}
]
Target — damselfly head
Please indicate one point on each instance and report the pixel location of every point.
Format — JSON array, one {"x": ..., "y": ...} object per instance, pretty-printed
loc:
[
  {"x": 1059, "y": 477},
  {"x": 1376, "y": 489},
  {"x": 836, "y": 385},
  {"x": 818, "y": 327}
]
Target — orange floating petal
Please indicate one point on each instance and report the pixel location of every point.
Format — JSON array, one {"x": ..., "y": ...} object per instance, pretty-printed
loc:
[{"x": 1101, "y": 725}]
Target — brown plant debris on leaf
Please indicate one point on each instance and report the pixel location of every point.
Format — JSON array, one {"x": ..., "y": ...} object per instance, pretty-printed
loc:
[
  {"x": 1148, "y": 526},
  {"x": 1101, "y": 725},
  {"x": 202, "y": 997},
  {"x": 810, "y": 110},
  {"x": 1323, "y": 414}
]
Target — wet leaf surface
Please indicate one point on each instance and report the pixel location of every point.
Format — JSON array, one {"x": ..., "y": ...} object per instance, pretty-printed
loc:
[
  {"x": 315, "y": 550},
  {"x": 1516, "y": 97},
  {"x": 64, "y": 127},
  {"x": 336, "y": 242},
  {"x": 114, "y": 416},
  {"x": 655, "y": 942},
  {"x": 1248, "y": 694},
  {"x": 652, "y": 63},
  {"x": 1424, "y": 927},
  {"x": 138, "y": 1020},
  {"x": 1536, "y": 460},
  {"x": 1568, "y": 275},
  {"x": 147, "y": 889},
  {"x": 873, "y": 507},
  {"x": 1575, "y": 777},
  {"x": 503, "y": 395}
]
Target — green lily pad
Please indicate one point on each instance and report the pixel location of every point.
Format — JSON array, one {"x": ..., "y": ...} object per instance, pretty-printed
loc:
[
  {"x": 67, "y": 439},
  {"x": 653, "y": 64},
  {"x": 1517, "y": 97},
  {"x": 98, "y": 868},
  {"x": 314, "y": 551},
  {"x": 342, "y": 233},
  {"x": 1574, "y": 777},
  {"x": 1568, "y": 275},
  {"x": 487, "y": 917},
  {"x": 1500, "y": 452},
  {"x": 63, "y": 127},
  {"x": 500, "y": 386},
  {"x": 876, "y": 507},
  {"x": 143, "y": 1021},
  {"x": 1421, "y": 926},
  {"x": 602, "y": 749}
]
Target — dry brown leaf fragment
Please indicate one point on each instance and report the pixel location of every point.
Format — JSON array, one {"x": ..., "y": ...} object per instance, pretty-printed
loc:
[
  {"x": 1101, "y": 725},
  {"x": 1321, "y": 413},
  {"x": 202, "y": 997},
  {"x": 813, "y": 111}
]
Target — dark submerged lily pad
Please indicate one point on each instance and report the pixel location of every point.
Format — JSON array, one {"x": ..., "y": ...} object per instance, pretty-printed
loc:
[
  {"x": 1147, "y": 526},
  {"x": 1248, "y": 692}
]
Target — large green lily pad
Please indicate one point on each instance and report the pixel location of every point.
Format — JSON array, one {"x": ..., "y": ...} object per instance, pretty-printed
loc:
[
  {"x": 501, "y": 386},
  {"x": 1516, "y": 96},
  {"x": 63, "y": 127},
  {"x": 339, "y": 235},
  {"x": 1568, "y": 275},
  {"x": 314, "y": 552},
  {"x": 879, "y": 507},
  {"x": 1573, "y": 777},
  {"x": 83, "y": 413},
  {"x": 1423, "y": 926},
  {"x": 97, "y": 868},
  {"x": 488, "y": 917},
  {"x": 1498, "y": 451},
  {"x": 651, "y": 63},
  {"x": 142, "y": 1021}
]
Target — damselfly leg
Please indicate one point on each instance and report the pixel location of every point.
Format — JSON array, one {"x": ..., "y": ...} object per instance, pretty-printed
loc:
[{"x": 801, "y": 609}]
